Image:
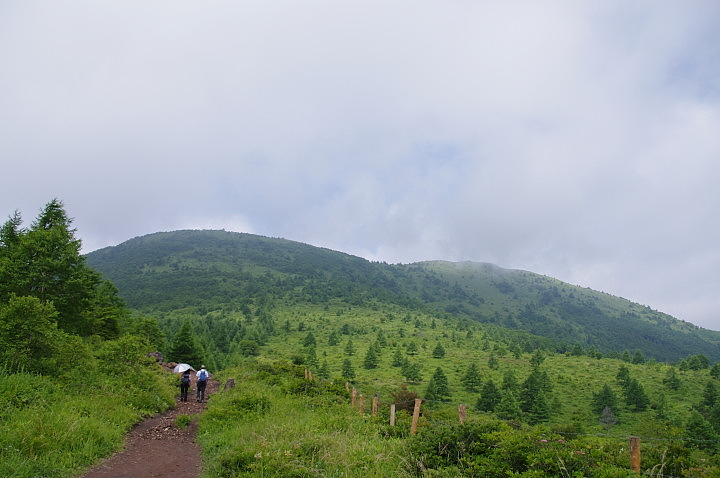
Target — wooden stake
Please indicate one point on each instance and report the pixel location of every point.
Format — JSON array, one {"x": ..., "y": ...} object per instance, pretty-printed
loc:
[
  {"x": 635, "y": 454},
  {"x": 375, "y": 405},
  {"x": 462, "y": 413},
  {"x": 416, "y": 416},
  {"x": 362, "y": 403},
  {"x": 392, "y": 415}
]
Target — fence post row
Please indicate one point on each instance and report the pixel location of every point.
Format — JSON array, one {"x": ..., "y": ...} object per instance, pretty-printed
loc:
[{"x": 462, "y": 416}]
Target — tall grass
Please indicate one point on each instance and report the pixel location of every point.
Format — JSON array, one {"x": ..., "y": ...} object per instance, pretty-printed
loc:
[
  {"x": 277, "y": 425},
  {"x": 56, "y": 426}
]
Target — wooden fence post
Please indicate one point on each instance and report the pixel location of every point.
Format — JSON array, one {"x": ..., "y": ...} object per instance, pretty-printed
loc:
[
  {"x": 392, "y": 415},
  {"x": 362, "y": 403},
  {"x": 416, "y": 416},
  {"x": 462, "y": 413},
  {"x": 353, "y": 397},
  {"x": 635, "y": 454},
  {"x": 375, "y": 405}
]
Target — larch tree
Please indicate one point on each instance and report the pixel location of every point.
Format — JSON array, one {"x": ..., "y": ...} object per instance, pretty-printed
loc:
[
  {"x": 438, "y": 388},
  {"x": 44, "y": 261},
  {"x": 184, "y": 348},
  {"x": 472, "y": 380}
]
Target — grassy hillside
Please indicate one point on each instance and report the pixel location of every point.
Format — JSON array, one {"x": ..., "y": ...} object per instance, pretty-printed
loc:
[
  {"x": 277, "y": 423},
  {"x": 567, "y": 365},
  {"x": 204, "y": 271},
  {"x": 270, "y": 313}
]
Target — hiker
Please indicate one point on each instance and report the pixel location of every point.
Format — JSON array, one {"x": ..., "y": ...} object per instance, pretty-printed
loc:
[
  {"x": 202, "y": 377},
  {"x": 184, "y": 385}
]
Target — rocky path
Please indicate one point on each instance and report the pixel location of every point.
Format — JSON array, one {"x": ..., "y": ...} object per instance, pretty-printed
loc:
[{"x": 157, "y": 447}]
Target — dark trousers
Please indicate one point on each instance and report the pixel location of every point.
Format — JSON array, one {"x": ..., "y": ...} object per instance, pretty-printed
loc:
[
  {"x": 184, "y": 387},
  {"x": 201, "y": 390}
]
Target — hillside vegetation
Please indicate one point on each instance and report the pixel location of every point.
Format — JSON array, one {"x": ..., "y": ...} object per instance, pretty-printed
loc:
[
  {"x": 449, "y": 334},
  {"x": 74, "y": 365},
  {"x": 278, "y": 423},
  {"x": 205, "y": 271},
  {"x": 303, "y": 330}
]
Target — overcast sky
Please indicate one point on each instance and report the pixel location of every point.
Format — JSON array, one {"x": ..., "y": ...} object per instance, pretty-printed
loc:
[{"x": 576, "y": 139}]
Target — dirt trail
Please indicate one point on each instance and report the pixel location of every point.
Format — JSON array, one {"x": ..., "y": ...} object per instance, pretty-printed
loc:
[{"x": 157, "y": 448}]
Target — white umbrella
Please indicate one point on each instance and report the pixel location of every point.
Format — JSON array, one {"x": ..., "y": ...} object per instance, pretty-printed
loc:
[{"x": 181, "y": 367}]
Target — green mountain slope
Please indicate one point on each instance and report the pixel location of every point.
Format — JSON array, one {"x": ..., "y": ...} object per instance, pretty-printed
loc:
[{"x": 208, "y": 270}]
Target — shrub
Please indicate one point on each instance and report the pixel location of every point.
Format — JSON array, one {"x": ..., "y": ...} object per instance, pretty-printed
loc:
[{"x": 183, "y": 421}]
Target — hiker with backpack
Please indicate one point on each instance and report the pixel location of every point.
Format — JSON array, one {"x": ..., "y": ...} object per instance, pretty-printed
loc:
[
  {"x": 202, "y": 377},
  {"x": 184, "y": 385}
]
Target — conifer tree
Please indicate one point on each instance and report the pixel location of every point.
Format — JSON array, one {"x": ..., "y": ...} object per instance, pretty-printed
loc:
[
  {"x": 438, "y": 388},
  {"x": 671, "y": 379},
  {"x": 398, "y": 359},
  {"x": 623, "y": 376},
  {"x": 348, "y": 372},
  {"x": 635, "y": 396},
  {"x": 508, "y": 407},
  {"x": 311, "y": 356},
  {"x": 533, "y": 395},
  {"x": 594, "y": 352},
  {"x": 539, "y": 410},
  {"x": 439, "y": 351},
  {"x": 412, "y": 371},
  {"x": 605, "y": 398},
  {"x": 324, "y": 370},
  {"x": 184, "y": 348},
  {"x": 493, "y": 362},
  {"x": 510, "y": 382},
  {"x": 715, "y": 371},
  {"x": 714, "y": 417},
  {"x": 537, "y": 359},
  {"x": 471, "y": 380},
  {"x": 489, "y": 397},
  {"x": 309, "y": 340},
  {"x": 44, "y": 261},
  {"x": 372, "y": 356},
  {"x": 700, "y": 433},
  {"x": 710, "y": 396},
  {"x": 380, "y": 339}
]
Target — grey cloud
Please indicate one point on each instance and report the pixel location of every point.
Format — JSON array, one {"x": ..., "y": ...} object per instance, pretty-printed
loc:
[{"x": 575, "y": 140}]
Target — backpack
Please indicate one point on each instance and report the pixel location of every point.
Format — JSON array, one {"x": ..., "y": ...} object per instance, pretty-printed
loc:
[
  {"x": 203, "y": 375},
  {"x": 185, "y": 378}
]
